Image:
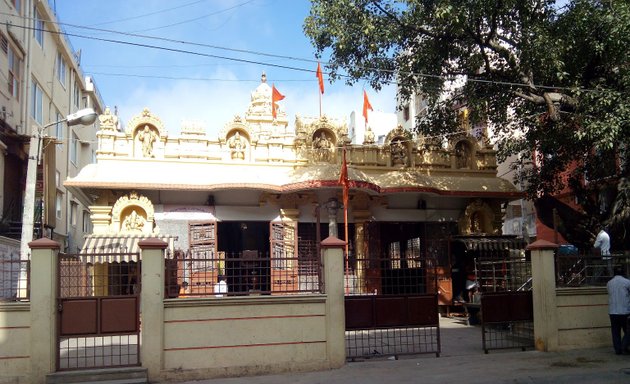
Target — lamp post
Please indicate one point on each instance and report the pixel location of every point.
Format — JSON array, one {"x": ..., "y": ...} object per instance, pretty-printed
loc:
[{"x": 82, "y": 117}]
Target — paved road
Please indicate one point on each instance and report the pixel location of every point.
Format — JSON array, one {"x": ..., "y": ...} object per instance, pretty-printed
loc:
[{"x": 463, "y": 361}]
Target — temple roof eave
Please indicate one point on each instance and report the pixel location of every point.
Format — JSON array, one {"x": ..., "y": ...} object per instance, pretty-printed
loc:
[{"x": 285, "y": 179}]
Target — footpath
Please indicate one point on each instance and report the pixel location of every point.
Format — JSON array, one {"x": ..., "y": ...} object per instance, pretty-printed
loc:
[{"x": 463, "y": 361}]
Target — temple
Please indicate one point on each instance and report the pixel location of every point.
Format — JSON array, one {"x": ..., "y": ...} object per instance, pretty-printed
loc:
[{"x": 263, "y": 190}]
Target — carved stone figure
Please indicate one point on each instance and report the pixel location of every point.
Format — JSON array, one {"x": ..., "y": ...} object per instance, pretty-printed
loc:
[
  {"x": 369, "y": 137},
  {"x": 463, "y": 155},
  {"x": 147, "y": 137},
  {"x": 237, "y": 146},
  {"x": 399, "y": 153},
  {"x": 108, "y": 121},
  {"x": 133, "y": 222},
  {"x": 322, "y": 146}
]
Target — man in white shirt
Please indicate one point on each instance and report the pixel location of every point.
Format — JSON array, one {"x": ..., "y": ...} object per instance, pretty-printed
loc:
[
  {"x": 601, "y": 246},
  {"x": 619, "y": 310},
  {"x": 602, "y": 242}
]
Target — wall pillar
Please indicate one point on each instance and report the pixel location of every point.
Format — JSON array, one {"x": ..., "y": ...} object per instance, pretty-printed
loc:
[
  {"x": 43, "y": 308},
  {"x": 544, "y": 295},
  {"x": 332, "y": 251},
  {"x": 101, "y": 217},
  {"x": 152, "y": 305}
]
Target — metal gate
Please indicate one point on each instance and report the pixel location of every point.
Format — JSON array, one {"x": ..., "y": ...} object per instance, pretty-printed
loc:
[
  {"x": 98, "y": 318},
  {"x": 391, "y": 301},
  {"x": 507, "y": 311}
]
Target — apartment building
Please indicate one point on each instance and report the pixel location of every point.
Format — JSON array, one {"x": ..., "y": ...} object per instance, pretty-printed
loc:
[{"x": 42, "y": 84}]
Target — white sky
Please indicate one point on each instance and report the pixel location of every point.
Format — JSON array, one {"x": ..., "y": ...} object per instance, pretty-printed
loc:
[{"x": 178, "y": 86}]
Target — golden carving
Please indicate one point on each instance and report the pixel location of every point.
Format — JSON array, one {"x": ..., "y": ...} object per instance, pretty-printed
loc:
[
  {"x": 477, "y": 219},
  {"x": 133, "y": 213}
]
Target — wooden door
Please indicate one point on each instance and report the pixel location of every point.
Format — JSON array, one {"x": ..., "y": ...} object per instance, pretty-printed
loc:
[
  {"x": 284, "y": 268},
  {"x": 204, "y": 266}
]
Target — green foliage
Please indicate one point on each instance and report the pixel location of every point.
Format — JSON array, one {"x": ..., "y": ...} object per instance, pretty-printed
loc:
[{"x": 552, "y": 81}]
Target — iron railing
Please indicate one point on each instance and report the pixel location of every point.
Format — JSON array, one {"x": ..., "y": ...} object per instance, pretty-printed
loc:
[
  {"x": 580, "y": 269},
  {"x": 15, "y": 279},
  {"x": 240, "y": 274}
]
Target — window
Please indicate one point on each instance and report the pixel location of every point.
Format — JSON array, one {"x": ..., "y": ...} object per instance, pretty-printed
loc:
[
  {"x": 76, "y": 93},
  {"x": 38, "y": 29},
  {"x": 37, "y": 95},
  {"x": 406, "y": 112},
  {"x": 17, "y": 4},
  {"x": 394, "y": 255},
  {"x": 57, "y": 179},
  {"x": 86, "y": 222},
  {"x": 59, "y": 129},
  {"x": 74, "y": 207},
  {"x": 58, "y": 204},
  {"x": 413, "y": 253},
  {"x": 74, "y": 148},
  {"x": 62, "y": 69},
  {"x": 15, "y": 64},
  {"x": 4, "y": 43}
]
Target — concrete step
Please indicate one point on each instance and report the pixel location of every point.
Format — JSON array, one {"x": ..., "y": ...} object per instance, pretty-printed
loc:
[{"x": 130, "y": 375}]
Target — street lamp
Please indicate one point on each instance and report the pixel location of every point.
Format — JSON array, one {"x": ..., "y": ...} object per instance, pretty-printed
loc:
[{"x": 82, "y": 117}]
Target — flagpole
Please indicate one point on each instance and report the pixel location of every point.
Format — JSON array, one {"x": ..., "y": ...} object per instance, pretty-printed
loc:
[
  {"x": 320, "y": 104},
  {"x": 345, "y": 220}
]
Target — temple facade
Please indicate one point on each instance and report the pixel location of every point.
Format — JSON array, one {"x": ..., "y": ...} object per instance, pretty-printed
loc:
[{"x": 266, "y": 189}]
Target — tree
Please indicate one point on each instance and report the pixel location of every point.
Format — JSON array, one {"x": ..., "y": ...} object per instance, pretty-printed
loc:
[{"x": 550, "y": 80}]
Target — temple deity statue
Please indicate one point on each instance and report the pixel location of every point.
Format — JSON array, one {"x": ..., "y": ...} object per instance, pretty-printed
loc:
[
  {"x": 108, "y": 121},
  {"x": 237, "y": 146},
  {"x": 399, "y": 153},
  {"x": 369, "y": 137},
  {"x": 322, "y": 146},
  {"x": 147, "y": 137}
]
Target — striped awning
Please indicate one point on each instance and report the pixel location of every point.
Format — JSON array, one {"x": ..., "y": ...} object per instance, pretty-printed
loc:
[{"x": 118, "y": 248}]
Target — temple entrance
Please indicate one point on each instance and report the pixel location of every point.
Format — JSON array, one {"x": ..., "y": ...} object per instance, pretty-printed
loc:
[
  {"x": 99, "y": 311},
  {"x": 237, "y": 236},
  {"x": 390, "y": 309},
  {"x": 245, "y": 245}
]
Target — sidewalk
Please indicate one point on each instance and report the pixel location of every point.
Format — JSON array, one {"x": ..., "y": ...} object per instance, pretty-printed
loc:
[{"x": 462, "y": 361}]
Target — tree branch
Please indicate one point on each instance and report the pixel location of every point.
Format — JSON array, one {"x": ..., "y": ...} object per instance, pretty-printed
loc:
[{"x": 418, "y": 30}]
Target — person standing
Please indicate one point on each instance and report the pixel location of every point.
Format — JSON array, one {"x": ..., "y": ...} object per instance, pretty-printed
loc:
[
  {"x": 601, "y": 247},
  {"x": 619, "y": 309},
  {"x": 602, "y": 242}
]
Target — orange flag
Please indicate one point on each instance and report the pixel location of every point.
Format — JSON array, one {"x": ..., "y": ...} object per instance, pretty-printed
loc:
[
  {"x": 275, "y": 96},
  {"x": 320, "y": 78},
  {"x": 366, "y": 106}
]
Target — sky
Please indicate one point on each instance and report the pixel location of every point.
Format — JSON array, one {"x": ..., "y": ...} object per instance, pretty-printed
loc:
[{"x": 190, "y": 70}]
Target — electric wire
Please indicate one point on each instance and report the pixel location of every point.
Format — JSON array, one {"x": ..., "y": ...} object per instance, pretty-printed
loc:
[
  {"x": 288, "y": 67},
  {"x": 152, "y": 13}
]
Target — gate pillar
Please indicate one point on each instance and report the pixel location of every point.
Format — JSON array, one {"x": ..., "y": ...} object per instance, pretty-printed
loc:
[
  {"x": 332, "y": 250},
  {"x": 43, "y": 311},
  {"x": 152, "y": 305},
  {"x": 544, "y": 295}
]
